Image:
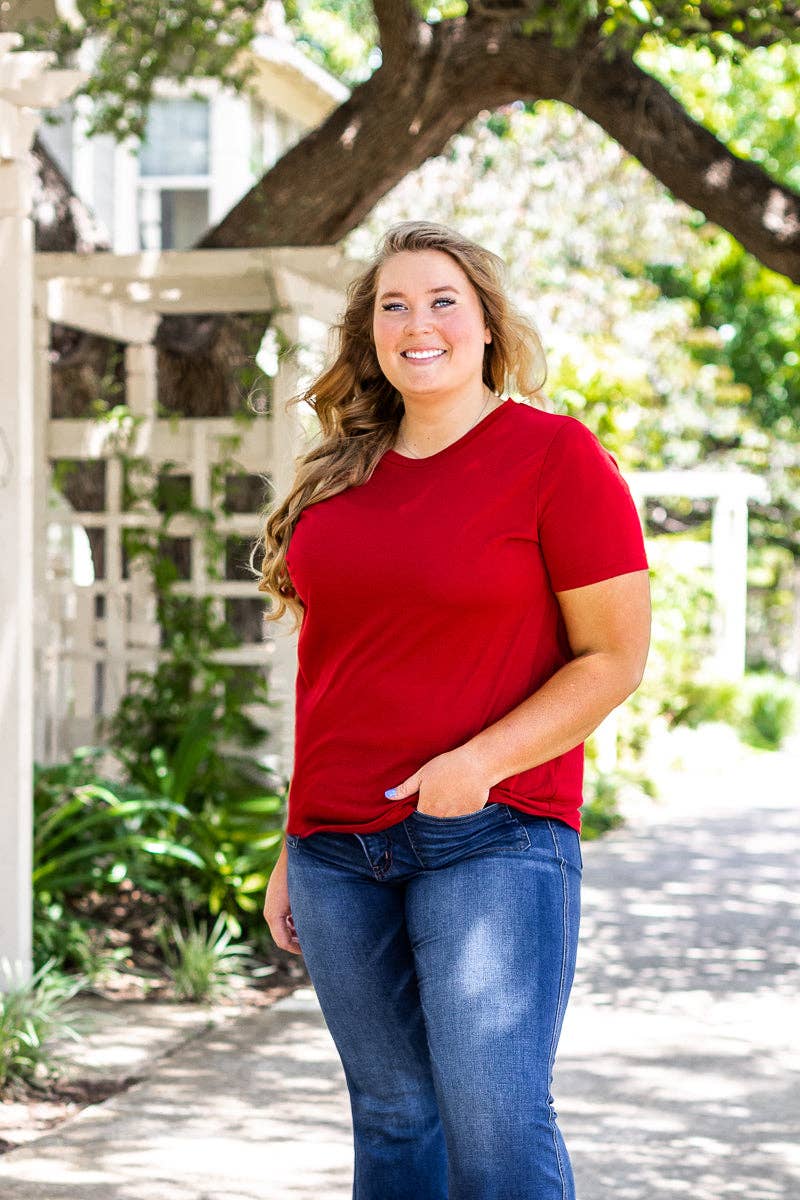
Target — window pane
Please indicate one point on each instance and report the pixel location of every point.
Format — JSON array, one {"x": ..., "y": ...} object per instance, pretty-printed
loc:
[
  {"x": 171, "y": 218},
  {"x": 184, "y": 217},
  {"x": 58, "y": 137},
  {"x": 176, "y": 138}
]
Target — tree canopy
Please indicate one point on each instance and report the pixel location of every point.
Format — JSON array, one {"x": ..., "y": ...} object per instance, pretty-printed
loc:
[{"x": 419, "y": 72}]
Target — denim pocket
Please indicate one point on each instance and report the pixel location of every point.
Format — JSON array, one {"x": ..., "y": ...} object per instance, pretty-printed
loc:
[
  {"x": 423, "y": 816},
  {"x": 437, "y": 840}
]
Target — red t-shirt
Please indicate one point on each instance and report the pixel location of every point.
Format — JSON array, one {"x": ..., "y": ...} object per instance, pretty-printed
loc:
[{"x": 430, "y": 610}]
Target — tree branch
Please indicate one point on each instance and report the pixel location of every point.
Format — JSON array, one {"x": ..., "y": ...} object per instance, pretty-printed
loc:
[
  {"x": 388, "y": 126},
  {"x": 401, "y": 116},
  {"x": 61, "y": 221},
  {"x": 397, "y": 23},
  {"x": 790, "y": 13},
  {"x": 642, "y": 115}
]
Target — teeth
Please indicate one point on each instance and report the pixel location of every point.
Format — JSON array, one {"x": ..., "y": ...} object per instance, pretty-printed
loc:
[{"x": 422, "y": 353}]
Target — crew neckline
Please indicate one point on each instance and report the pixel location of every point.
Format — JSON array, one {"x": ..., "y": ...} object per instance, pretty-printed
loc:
[{"x": 402, "y": 460}]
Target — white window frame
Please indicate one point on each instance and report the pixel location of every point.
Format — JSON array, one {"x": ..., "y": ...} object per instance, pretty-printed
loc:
[{"x": 150, "y": 187}]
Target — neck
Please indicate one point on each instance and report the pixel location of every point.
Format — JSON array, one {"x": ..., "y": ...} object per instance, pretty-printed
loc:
[{"x": 425, "y": 428}]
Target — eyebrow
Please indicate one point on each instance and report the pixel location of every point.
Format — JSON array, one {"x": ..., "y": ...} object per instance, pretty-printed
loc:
[{"x": 445, "y": 287}]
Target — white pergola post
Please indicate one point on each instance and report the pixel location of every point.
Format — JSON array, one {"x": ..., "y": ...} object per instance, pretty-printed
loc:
[
  {"x": 729, "y": 574},
  {"x": 730, "y": 491},
  {"x": 26, "y": 85}
]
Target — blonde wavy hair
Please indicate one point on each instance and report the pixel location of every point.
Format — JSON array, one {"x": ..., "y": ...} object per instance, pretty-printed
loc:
[{"x": 359, "y": 410}]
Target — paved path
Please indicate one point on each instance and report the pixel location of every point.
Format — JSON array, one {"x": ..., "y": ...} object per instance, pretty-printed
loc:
[
  {"x": 678, "y": 1067},
  {"x": 678, "y": 1071}
]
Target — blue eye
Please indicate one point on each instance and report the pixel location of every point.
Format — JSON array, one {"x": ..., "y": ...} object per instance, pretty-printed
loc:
[{"x": 439, "y": 299}]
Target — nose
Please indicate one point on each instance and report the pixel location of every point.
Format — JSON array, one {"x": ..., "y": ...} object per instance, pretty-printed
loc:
[{"x": 418, "y": 319}]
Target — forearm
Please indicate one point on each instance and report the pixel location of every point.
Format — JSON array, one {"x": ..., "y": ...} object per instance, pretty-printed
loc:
[{"x": 555, "y": 718}]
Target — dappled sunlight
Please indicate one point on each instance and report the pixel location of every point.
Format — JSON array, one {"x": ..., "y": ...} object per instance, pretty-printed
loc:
[
  {"x": 252, "y": 1108},
  {"x": 680, "y": 1041},
  {"x": 716, "y": 907}
]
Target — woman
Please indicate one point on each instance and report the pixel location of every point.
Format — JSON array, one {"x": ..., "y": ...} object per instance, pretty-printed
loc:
[{"x": 473, "y": 588}]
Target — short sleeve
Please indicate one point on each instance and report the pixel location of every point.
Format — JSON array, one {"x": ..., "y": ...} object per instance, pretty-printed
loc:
[{"x": 588, "y": 526}]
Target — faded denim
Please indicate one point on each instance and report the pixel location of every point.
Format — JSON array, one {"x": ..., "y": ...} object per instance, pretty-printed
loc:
[{"x": 442, "y": 951}]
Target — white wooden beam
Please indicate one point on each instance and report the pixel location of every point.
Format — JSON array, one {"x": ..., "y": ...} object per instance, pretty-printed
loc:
[
  {"x": 325, "y": 265},
  {"x": 43, "y": 632},
  {"x": 303, "y": 295},
  {"x": 141, "y": 380},
  {"x": 190, "y": 282},
  {"x": 162, "y": 439},
  {"x": 697, "y": 484},
  {"x": 80, "y": 308},
  {"x": 730, "y": 491},
  {"x": 16, "y": 576}
]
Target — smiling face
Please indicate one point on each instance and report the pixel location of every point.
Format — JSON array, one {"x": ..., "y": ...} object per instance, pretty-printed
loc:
[{"x": 428, "y": 325}]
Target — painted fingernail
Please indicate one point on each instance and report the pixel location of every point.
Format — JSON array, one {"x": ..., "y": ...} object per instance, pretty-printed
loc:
[{"x": 392, "y": 792}]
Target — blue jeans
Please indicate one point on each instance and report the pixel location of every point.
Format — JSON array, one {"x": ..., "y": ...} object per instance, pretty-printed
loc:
[{"x": 442, "y": 952}]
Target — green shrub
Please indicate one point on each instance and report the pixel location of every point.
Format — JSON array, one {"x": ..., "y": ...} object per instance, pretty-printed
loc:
[
  {"x": 32, "y": 1014},
  {"x": 90, "y": 833},
  {"x": 603, "y": 792},
  {"x": 769, "y": 720},
  {"x": 600, "y": 811},
  {"x": 698, "y": 702},
  {"x": 73, "y": 942},
  {"x": 201, "y": 965},
  {"x": 232, "y": 817},
  {"x": 762, "y": 708}
]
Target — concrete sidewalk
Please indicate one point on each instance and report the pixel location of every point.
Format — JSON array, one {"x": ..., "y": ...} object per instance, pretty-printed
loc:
[{"x": 677, "y": 1071}]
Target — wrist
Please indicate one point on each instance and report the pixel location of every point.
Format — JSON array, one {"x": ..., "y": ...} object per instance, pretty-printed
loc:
[{"x": 478, "y": 753}]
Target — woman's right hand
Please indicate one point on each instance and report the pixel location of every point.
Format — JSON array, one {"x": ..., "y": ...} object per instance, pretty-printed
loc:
[{"x": 277, "y": 911}]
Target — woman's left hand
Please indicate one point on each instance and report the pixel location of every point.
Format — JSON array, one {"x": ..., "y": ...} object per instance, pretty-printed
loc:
[{"x": 450, "y": 785}]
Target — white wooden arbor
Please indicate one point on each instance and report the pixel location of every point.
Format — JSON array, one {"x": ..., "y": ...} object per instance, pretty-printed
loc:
[
  {"x": 122, "y": 297},
  {"x": 729, "y": 492},
  {"x": 119, "y": 297},
  {"x": 726, "y": 553}
]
